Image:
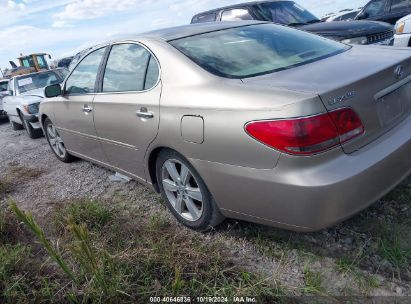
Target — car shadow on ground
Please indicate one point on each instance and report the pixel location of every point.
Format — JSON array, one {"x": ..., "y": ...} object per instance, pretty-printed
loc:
[{"x": 377, "y": 240}]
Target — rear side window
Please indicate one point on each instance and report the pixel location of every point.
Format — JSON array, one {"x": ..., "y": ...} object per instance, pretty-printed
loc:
[
  {"x": 211, "y": 17},
  {"x": 237, "y": 14},
  {"x": 83, "y": 78},
  {"x": 152, "y": 74},
  {"x": 255, "y": 50},
  {"x": 130, "y": 67},
  {"x": 399, "y": 5}
]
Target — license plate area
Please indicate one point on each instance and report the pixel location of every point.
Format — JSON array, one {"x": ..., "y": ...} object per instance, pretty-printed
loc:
[{"x": 390, "y": 107}]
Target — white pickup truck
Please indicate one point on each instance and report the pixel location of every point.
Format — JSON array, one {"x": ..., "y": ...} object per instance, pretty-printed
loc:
[
  {"x": 25, "y": 92},
  {"x": 4, "y": 83}
]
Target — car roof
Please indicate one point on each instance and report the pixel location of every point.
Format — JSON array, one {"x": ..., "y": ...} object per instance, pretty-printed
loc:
[
  {"x": 183, "y": 31},
  {"x": 249, "y": 3},
  {"x": 173, "y": 33}
]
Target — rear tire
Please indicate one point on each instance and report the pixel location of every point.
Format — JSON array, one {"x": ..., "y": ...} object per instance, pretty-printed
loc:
[
  {"x": 31, "y": 132},
  {"x": 56, "y": 143},
  {"x": 185, "y": 192}
]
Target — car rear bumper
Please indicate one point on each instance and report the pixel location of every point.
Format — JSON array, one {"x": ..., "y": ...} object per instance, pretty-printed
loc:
[
  {"x": 311, "y": 193},
  {"x": 402, "y": 40}
]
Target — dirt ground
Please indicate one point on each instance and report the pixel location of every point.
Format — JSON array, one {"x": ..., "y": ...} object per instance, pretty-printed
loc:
[{"x": 368, "y": 255}]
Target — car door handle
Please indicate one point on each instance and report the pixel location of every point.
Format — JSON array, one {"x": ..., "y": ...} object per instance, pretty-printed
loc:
[
  {"x": 144, "y": 113},
  {"x": 87, "y": 109}
]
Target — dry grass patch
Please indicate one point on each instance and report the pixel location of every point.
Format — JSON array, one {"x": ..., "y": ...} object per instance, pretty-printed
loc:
[{"x": 112, "y": 254}]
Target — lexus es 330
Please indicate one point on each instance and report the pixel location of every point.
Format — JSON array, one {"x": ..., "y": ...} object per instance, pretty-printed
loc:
[{"x": 252, "y": 121}]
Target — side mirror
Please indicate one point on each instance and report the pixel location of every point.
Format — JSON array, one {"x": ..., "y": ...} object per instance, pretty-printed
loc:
[{"x": 53, "y": 90}]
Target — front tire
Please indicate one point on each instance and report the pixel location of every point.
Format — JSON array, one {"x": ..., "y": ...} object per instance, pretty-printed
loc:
[
  {"x": 56, "y": 143},
  {"x": 185, "y": 192}
]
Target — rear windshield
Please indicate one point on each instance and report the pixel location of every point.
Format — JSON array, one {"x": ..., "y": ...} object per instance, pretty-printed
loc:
[
  {"x": 254, "y": 50},
  {"x": 39, "y": 80}
]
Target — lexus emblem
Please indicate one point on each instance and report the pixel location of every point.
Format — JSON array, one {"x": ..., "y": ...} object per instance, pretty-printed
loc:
[{"x": 398, "y": 72}]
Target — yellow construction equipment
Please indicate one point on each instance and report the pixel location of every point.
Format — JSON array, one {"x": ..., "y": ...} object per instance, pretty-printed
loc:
[{"x": 30, "y": 64}]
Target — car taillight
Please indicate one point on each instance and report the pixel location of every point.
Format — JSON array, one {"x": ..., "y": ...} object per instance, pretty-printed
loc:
[{"x": 308, "y": 135}]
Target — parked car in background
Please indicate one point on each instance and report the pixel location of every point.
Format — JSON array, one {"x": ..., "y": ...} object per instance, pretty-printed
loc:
[
  {"x": 64, "y": 62},
  {"x": 345, "y": 15},
  {"x": 402, "y": 35},
  {"x": 262, "y": 122},
  {"x": 291, "y": 14},
  {"x": 3, "y": 92},
  {"x": 25, "y": 93},
  {"x": 389, "y": 11}
]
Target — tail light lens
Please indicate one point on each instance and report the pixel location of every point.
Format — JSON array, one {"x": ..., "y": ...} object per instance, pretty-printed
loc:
[{"x": 308, "y": 135}]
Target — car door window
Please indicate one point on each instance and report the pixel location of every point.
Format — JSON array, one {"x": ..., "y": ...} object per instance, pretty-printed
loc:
[
  {"x": 375, "y": 8},
  {"x": 399, "y": 5},
  {"x": 236, "y": 14},
  {"x": 83, "y": 78},
  {"x": 130, "y": 67}
]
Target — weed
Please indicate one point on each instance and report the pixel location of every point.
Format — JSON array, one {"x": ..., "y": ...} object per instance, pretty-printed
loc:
[
  {"x": 313, "y": 281},
  {"x": 28, "y": 220},
  {"x": 157, "y": 222},
  {"x": 91, "y": 213}
]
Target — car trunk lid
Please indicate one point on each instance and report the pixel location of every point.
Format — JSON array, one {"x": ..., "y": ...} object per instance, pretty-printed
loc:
[{"x": 364, "y": 78}]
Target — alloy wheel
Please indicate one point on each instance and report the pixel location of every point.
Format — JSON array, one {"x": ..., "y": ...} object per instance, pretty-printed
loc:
[
  {"x": 182, "y": 190},
  {"x": 56, "y": 142}
]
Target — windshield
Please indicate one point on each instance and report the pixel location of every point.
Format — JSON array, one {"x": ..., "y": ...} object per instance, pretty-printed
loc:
[
  {"x": 35, "y": 81},
  {"x": 249, "y": 51},
  {"x": 287, "y": 12},
  {"x": 3, "y": 86}
]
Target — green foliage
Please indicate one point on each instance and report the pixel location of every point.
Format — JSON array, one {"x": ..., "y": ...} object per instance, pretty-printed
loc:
[{"x": 27, "y": 219}]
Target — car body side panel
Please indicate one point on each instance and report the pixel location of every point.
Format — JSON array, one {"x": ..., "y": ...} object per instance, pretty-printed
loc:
[
  {"x": 124, "y": 136},
  {"x": 311, "y": 193},
  {"x": 225, "y": 105},
  {"x": 76, "y": 127}
]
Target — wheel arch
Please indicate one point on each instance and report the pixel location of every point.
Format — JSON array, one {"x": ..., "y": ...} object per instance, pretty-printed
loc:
[
  {"x": 43, "y": 118},
  {"x": 151, "y": 164}
]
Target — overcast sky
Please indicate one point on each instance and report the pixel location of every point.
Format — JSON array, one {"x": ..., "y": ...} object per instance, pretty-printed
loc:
[{"x": 63, "y": 27}]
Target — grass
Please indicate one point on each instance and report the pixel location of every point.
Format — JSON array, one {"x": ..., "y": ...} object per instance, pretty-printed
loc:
[
  {"x": 348, "y": 265},
  {"x": 394, "y": 244},
  {"x": 24, "y": 172},
  {"x": 92, "y": 252},
  {"x": 313, "y": 282},
  {"x": 5, "y": 188},
  {"x": 399, "y": 194},
  {"x": 17, "y": 173}
]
